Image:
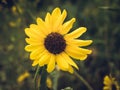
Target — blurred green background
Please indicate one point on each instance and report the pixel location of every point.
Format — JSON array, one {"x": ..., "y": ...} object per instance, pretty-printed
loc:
[{"x": 101, "y": 17}]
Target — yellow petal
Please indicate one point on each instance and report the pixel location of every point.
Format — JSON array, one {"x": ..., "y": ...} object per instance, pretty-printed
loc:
[
  {"x": 106, "y": 88},
  {"x": 47, "y": 19},
  {"x": 35, "y": 62},
  {"x": 75, "y": 52},
  {"x": 29, "y": 33},
  {"x": 55, "y": 14},
  {"x": 45, "y": 58},
  {"x": 42, "y": 26},
  {"x": 77, "y": 33},
  {"x": 30, "y": 48},
  {"x": 48, "y": 23},
  {"x": 78, "y": 42},
  {"x": 36, "y": 30},
  {"x": 69, "y": 60},
  {"x": 41, "y": 54},
  {"x": 34, "y": 27},
  {"x": 62, "y": 64},
  {"x": 40, "y": 22},
  {"x": 70, "y": 69},
  {"x": 83, "y": 57},
  {"x": 34, "y": 41},
  {"x": 85, "y": 51},
  {"x": 67, "y": 26},
  {"x": 107, "y": 80},
  {"x": 60, "y": 20},
  {"x": 51, "y": 64},
  {"x": 34, "y": 54},
  {"x": 80, "y": 50}
]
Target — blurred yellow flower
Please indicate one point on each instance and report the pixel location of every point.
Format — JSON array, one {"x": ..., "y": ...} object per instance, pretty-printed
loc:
[
  {"x": 49, "y": 82},
  {"x": 14, "y": 10},
  {"x": 50, "y": 42},
  {"x": 23, "y": 76},
  {"x": 110, "y": 83},
  {"x": 12, "y": 24}
]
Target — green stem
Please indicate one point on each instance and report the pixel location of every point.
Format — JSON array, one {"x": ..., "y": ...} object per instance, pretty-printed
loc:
[
  {"x": 35, "y": 77},
  {"x": 83, "y": 80},
  {"x": 43, "y": 85}
]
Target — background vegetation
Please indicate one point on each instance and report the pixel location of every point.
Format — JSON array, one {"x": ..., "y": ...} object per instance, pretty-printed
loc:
[{"x": 101, "y": 17}]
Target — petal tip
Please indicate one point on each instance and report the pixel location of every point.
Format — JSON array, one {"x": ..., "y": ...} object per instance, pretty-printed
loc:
[
  {"x": 83, "y": 58},
  {"x": 56, "y": 9},
  {"x": 84, "y": 29},
  {"x": 26, "y": 30},
  {"x": 49, "y": 71},
  {"x": 39, "y": 20},
  {"x": 26, "y": 39},
  {"x": 34, "y": 64},
  {"x": 26, "y": 49},
  {"x": 77, "y": 67},
  {"x": 73, "y": 19},
  {"x": 64, "y": 12},
  {"x": 90, "y": 51},
  {"x": 91, "y": 41}
]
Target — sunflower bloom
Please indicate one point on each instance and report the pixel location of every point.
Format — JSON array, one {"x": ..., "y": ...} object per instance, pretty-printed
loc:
[
  {"x": 51, "y": 44},
  {"x": 110, "y": 83}
]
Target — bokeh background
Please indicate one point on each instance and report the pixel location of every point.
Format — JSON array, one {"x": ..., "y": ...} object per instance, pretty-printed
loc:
[{"x": 102, "y": 19}]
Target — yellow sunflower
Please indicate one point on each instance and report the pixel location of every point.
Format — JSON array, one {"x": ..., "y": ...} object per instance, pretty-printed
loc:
[
  {"x": 51, "y": 44},
  {"x": 110, "y": 83}
]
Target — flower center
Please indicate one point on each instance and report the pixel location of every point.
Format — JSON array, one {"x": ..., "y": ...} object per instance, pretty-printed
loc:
[
  {"x": 114, "y": 87},
  {"x": 55, "y": 43}
]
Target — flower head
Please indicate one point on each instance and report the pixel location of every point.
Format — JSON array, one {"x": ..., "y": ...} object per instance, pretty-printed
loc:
[
  {"x": 23, "y": 76},
  {"x": 110, "y": 83},
  {"x": 50, "y": 42}
]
